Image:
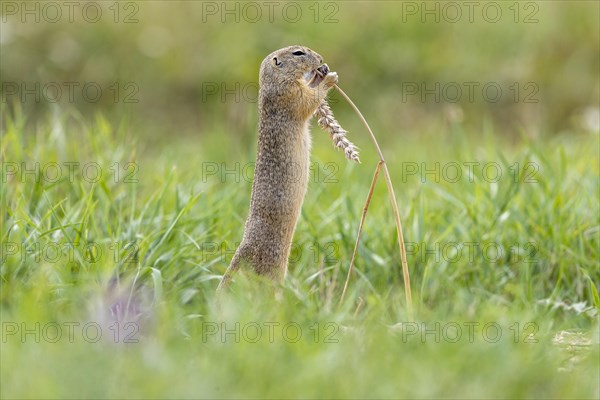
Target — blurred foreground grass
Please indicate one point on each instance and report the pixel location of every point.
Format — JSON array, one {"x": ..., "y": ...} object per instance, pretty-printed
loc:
[
  {"x": 168, "y": 217},
  {"x": 119, "y": 214}
]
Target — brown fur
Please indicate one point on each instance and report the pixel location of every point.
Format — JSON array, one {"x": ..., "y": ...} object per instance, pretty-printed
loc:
[{"x": 286, "y": 104}]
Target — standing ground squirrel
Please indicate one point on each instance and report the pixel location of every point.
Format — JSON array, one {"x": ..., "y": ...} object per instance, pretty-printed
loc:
[{"x": 293, "y": 82}]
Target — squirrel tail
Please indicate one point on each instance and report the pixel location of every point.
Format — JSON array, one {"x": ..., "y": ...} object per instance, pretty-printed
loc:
[{"x": 234, "y": 266}]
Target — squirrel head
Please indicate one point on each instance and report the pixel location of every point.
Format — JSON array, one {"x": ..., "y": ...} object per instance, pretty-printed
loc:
[{"x": 291, "y": 79}]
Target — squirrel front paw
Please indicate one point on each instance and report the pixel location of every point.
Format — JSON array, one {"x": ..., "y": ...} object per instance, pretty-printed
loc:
[{"x": 330, "y": 79}]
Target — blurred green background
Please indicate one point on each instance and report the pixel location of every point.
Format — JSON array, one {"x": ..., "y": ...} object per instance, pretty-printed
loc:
[
  {"x": 192, "y": 66},
  {"x": 178, "y": 83}
]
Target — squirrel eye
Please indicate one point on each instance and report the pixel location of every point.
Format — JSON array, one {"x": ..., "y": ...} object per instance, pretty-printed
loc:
[
  {"x": 298, "y": 53},
  {"x": 276, "y": 61}
]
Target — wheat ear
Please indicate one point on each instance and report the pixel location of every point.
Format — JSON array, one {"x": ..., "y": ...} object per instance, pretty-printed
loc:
[
  {"x": 327, "y": 122},
  {"x": 382, "y": 164}
]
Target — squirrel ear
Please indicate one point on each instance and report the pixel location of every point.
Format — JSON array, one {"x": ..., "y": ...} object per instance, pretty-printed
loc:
[{"x": 277, "y": 63}]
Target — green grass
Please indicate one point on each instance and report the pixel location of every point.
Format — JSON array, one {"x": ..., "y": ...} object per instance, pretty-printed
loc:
[{"x": 169, "y": 229}]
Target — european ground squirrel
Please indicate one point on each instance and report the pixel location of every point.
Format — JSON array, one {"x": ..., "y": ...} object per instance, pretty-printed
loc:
[{"x": 293, "y": 84}]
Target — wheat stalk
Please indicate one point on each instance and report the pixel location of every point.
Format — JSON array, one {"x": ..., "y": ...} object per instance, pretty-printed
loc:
[
  {"x": 360, "y": 226},
  {"x": 327, "y": 121},
  {"x": 382, "y": 164}
]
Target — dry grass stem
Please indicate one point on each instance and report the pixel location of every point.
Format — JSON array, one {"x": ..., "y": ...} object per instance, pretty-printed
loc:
[
  {"x": 390, "y": 187},
  {"x": 362, "y": 220}
]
